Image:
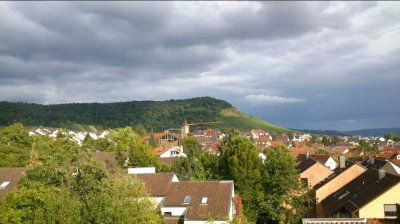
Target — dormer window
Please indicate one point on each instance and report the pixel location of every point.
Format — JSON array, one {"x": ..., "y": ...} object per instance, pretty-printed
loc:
[
  {"x": 204, "y": 200},
  {"x": 186, "y": 200},
  {"x": 4, "y": 184}
]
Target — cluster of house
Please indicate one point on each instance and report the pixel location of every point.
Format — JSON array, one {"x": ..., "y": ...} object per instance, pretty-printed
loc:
[
  {"x": 367, "y": 190},
  {"x": 188, "y": 202},
  {"x": 77, "y": 137}
]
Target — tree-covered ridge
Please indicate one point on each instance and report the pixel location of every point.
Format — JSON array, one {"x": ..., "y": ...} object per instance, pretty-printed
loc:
[
  {"x": 152, "y": 115},
  {"x": 159, "y": 115}
]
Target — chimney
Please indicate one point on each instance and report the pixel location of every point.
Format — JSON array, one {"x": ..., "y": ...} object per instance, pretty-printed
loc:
[
  {"x": 307, "y": 154},
  {"x": 372, "y": 160},
  {"x": 342, "y": 162},
  {"x": 382, "y": 173}
]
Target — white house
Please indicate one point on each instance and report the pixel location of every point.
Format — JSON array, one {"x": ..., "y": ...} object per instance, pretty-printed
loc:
[{"x": 176, "y": 151}]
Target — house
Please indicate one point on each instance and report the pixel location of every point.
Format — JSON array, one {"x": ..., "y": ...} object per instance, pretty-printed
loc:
[
  {"x": 176, "y": 151},
  {"x": 302, "y": 150},
  {"x": 166, "y": 139},
  {"x": 346, "y": 172},
  {"x": 382, "y": 163},
  {"x": 373, "y": 194},
  {"x": 312, "y": 172},
  {"x": 214, "y": 149},
  {"x": 191, "y": 202},
  {"x": 341, "y": 150},
  {"x": 9, "y": 178},
  {"x": 328, "y": 161}
]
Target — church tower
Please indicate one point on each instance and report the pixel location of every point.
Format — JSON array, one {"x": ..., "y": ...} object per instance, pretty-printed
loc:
[{"x": 185, "y": 128}]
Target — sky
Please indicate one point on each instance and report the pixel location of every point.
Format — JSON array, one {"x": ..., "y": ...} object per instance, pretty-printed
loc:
[{"x": 304, "y": 65}]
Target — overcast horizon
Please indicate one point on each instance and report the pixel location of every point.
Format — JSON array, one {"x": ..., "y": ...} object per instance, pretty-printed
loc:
[{"x": 302, "y": 65}]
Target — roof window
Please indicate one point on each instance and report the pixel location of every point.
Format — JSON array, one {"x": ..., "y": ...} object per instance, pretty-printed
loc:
[
  {"x": 186, "y": 200},
  {"x": 4, "y": 184},
  {"x": 204, "y": 200}
]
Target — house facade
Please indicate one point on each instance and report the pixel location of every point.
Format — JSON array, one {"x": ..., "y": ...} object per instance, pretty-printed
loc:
[
  {"x": 191, "y": 202},
  {"x": 373, "y": 194}
]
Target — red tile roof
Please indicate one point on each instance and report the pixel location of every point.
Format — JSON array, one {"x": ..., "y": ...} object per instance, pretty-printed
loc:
[
  {"x": 219, "y": 194},
  {"x": 157, "y": 184}
]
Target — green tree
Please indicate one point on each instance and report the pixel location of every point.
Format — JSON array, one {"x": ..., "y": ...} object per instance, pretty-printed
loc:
[
  {"x": 240, "y": 162},
  {"x": 191, "y": 147},
  {"x": 365, "y": 146},
  {"x": 71, "y": 188},
  {"x": 15, "y": 146},
  {"x": 126, "y": 141},
  {"x": 284, "y": 198},
  {"x": 392, "y": 136},
  {"x": 190, "y": 167}
]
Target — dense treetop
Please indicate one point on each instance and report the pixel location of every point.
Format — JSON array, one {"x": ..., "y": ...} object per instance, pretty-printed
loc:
[
  {"x": 159, "y": 115},
  {"x": 151, "y": 115}
]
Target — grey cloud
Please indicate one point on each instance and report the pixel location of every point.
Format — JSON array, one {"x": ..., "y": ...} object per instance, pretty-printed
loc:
[{"x": 340, "y": 59}]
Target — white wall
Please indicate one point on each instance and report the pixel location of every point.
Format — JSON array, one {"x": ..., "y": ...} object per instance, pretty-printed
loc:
[
  {"x": 175, "y": 211},
  {"x": 141, "y": 170},
  {"x": 331, "y": 164}
]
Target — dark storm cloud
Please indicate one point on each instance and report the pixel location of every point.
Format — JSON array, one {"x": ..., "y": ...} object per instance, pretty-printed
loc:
[{"x": 299, "y": 64}]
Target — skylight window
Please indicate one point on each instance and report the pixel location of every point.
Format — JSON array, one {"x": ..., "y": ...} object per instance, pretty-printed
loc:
[
  {"x": 186, "y": 200},
  {"x": 204, "y": 200},
  {"x": 344, "y": 195},
  {"x": 4, "y": 184}
]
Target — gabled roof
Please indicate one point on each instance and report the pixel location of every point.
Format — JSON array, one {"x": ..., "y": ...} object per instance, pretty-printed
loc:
[
  {"x": 218, "y": 193},
  {"x": 306, "y": 164},
  {"x": 360, "y": 191},
  {"x": 336, "y": 173},
  {"x": 12, "y": 175},
  {"x": 157, "y": 184}
]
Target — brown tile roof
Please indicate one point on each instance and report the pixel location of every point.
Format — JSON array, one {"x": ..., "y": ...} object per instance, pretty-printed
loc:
[
  {"x": 13, "y": 175},
  {"x": 214, "y": 148},
  {"x": 158, "y": 150},
  {"x": 157, "y": 184},
  {"x": 320, "y": 158},
  {"x": 108, "y": 158},
  {"x": 302, "y": 150},
  {"x": 360, "y": 191},
  {"x": 219, "y": 194}
]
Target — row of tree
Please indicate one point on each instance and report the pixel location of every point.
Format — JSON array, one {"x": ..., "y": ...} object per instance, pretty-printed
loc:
[
  {"x": 62, "y": 176},
  {"x": 64, "y": 185}
]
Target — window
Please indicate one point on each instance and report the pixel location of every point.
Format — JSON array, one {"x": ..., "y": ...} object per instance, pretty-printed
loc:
[
  {"x": 4, "y": 184},
  {"x": 390, "y": 210},
  {"x": 204, "y": 200},
  {"x": 186, "y": 200}
]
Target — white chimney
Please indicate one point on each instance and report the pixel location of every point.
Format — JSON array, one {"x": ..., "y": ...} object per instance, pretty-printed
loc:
[
  {"x": 382, "y": 174},
  {"x": 342, "y": 161}
]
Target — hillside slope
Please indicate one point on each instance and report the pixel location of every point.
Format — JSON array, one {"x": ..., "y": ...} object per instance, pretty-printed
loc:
[{"x": 159, "y": 115}]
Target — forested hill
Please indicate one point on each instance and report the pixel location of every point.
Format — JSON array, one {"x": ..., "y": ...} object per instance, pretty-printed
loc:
[{"x": 159, "y": 115}]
